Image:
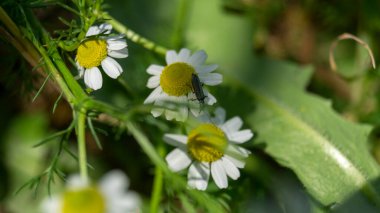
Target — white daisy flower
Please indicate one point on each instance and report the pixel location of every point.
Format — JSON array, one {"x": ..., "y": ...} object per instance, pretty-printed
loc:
[
  {"x": 109, "y": 196},
  {"x": 98, "y": 49},
  {"x": 210, "y": 147},
  {"x": 173, "y": 83}
]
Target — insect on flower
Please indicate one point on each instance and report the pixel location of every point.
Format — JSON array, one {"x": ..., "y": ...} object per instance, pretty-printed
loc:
[
  {"x": 197, "y": 88},
  {"x": 178, "y": 85}
]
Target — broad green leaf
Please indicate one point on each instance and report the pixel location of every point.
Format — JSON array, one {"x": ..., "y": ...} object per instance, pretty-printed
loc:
[{"x": 299, "y": 130}]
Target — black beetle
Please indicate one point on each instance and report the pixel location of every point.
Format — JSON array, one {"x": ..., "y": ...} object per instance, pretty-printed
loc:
[{"x": 197, "y": 88}]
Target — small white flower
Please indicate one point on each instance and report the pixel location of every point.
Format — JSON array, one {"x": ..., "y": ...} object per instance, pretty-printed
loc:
[
  {"x": 109, "y": 196},
  {"x": 99, "y": 50},
  {"x": 211, "y": 147},
  {"x": 173, "y": 91}
]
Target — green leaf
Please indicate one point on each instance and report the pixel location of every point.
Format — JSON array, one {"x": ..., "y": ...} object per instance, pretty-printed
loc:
[
  {"x": 299, "y": 130},
  {"x": 302, "y": 132}
]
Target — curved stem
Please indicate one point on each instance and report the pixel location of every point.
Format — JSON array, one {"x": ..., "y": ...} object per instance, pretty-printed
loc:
[
  {"x": 158, "y": 182},
  {"x": 81, "y": 126},
  {"x": 133, "y": 36},
  {"x": 146, "y": 145}
]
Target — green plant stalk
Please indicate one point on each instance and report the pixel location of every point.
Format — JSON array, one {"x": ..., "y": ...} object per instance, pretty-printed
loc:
[
  {"x": 133, "y": 36},
  {"x": 19, "y": 38},
  {"x": 65, "y": 86},
  {"x": 57, "y": 77},
  {"x": 158, "y": 182},
  {"x": 146, "y": 146},
  {"x": 105, "y": 108},
  {"x": 81, "y": 127},
  {"x": 69, "y": 78}
]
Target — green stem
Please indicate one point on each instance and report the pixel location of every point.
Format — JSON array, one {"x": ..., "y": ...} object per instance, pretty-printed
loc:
[
  {"x": 54, "y": 61},
  {"x": 57, "y": 77},
  {"x": 158, "y": 182},
  {"x": 146, "y": 145},
  {"x": 81, "y": 126},
  {"x": 66, "y": 74},
  {"x": 134, "y": 37}
]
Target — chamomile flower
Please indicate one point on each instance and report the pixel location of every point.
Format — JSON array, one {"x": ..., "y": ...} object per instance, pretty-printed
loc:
[
  {"x": 173, "y": 91},
  {"x": 211, "y": 147},
  {"x": 97, "y": 50},
  {"x": 109, "y": 196}
]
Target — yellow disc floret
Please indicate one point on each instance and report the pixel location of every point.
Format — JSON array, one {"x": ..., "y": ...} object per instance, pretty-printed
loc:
[
  {"x": 206, "y": 143},
  {"x": 91, "y": 53},
  {"x": 175, "y": 79},
  {"x": 86, "y": 200}
]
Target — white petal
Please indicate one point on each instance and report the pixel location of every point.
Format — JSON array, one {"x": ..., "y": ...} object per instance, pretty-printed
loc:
[
  {"x": 105, "y": 28},
  {"x": 178, "y": 160},
  {"x": 176, "y": 140},
  {"x": 52, "y": 205},
  {"x": 114, "y": 183},
  {"x": 198, "y": 175},
  {"x": 184, "y": 55},
  {"x": 155, "y": 69},
  {"x": 157, "y": 112},
  {"x": 239, "y": 163},
  {"x": 198, "y": 58},
  {"x": 93, "y": 78},
  {"x": 240, "y": 136},
  {"x": 116, "y": 37},
  {"x": 174, "y": 107},
  {"x": 175, "y": 114},
  {"x": 116, "y": 44},
  {"x": 237, "y": 152},
  {"x": 183, "y": 110},
  {"x": 80, "y": 69},
  {"x": 233, "y": 124},
  {"x": 128, "y": 202},
  {"x": 210, "y": 99},
  {"x": 153, "y": 96},
  {"x": 231, "y": 170},
  {"x": 211, "y": 79},
  {"x": 111, "y": 67},
  {"x": 203, "y": 69},
  {"x": 123, "y": 53},
  {"x": 171, "y": 57},
  {"x": 205, "y": 117},
  {"x": 194, "y": 105},
  {"x": 220, "y": 116},
  {"x": 153, "y": 82},
  {"x": 219, "y": 174},
  {"x": 93, "y": 30}
]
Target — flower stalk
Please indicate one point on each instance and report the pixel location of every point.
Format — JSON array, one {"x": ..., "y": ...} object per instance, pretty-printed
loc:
[
  {"x": 133, "y": 36},
  {"x": 81, "y": 128}
]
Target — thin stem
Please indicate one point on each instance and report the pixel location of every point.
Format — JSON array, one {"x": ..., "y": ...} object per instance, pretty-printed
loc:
[
  {"x": 158, "y": 182},
  {"x": 146, "y": 145},
  {"x": 134, "y": 37},
  {"x": 81, "y": 126},
  {"x": 57, "y": 77}
]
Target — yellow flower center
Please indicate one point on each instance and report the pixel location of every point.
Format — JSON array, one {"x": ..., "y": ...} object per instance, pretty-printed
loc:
[
  {"x": 86, "y": 200},
  {"x": 91, "y": 53},
  {"x": 207, "y": 143},
  {"x": 175, "y": 79}
]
